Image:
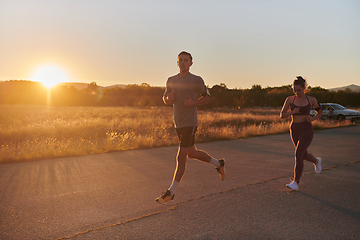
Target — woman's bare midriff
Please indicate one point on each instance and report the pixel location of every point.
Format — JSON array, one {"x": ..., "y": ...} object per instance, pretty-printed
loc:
[{"x": 299, "y": 118}]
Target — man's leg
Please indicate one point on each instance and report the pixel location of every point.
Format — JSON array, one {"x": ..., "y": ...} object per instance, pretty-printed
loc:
[
  {"x": 193, "y": 152},
  {"x": 180, "y": 163},
  {"x": 205, "y": 157},
  {"x": 188, "y": 149},
  {"x": 200, "y": 155},
  {"x": 181, "y": 156},
  {"x": 186, "y": 139}
]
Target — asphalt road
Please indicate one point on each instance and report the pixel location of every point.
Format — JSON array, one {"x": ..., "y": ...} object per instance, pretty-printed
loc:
[{"x": 111, "y": 196}]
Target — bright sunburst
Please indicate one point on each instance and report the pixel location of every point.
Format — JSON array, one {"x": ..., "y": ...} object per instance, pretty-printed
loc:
[{"x": 49, "y": 76}]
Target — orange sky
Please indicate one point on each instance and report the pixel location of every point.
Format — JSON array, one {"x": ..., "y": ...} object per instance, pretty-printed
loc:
[{"x": 239, "y": 43}]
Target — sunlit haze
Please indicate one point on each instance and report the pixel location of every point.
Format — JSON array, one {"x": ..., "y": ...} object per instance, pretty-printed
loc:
[
  {"x": 49, "y": 76},
  {"x": 239, "y": 43}
]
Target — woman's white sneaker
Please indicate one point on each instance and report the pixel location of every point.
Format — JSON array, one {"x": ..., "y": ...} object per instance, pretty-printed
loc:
[
  {"x": 318, "y": 165},
  {"x": 293, "y": 186}
]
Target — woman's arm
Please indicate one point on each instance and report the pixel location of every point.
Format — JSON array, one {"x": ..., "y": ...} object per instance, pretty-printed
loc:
[
  {"x": 285, "y": 113},
  {"x": 319, "y": 111}
]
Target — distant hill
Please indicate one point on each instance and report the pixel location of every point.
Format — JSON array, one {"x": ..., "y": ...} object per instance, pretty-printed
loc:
[
  {"x": 353, "y": 87},
  {"x": 116, "y": 85},
  {"x": 80, "y": 86},
  {"x": 77, "y": 85}
]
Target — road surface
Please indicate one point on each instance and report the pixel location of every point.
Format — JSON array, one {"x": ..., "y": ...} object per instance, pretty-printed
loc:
[{"x": 111, "y": 196}]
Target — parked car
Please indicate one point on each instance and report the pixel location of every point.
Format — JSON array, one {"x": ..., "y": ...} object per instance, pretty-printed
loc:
[{"x": 339, "y": 112}]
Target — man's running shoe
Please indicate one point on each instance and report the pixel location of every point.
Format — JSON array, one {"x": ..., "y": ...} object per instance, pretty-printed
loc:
[
  {"x": 318, "y": 165},
  {"x": 293, "y": 186},
  {"x": 221, "y": 170},
  {"x": 165, "y": 198}
]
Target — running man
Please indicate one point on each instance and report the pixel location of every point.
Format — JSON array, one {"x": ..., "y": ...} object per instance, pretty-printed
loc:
[{"x": 185, "y": 91}]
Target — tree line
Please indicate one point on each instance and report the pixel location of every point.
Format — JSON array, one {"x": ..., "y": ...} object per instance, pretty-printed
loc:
[{"x": 143, "y": 95}]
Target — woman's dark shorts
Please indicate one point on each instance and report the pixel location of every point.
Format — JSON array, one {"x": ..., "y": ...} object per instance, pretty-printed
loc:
[{"x": 186, "y": 136}]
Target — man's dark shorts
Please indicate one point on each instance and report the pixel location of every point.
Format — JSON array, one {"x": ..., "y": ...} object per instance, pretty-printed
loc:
[{"x": 186, "y": 136}]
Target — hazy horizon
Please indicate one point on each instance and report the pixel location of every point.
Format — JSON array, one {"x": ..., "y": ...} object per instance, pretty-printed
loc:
[{"x": 105, "y": 86}]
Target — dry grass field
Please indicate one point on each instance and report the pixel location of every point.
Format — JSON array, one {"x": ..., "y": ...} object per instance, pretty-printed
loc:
[{"x": 40, "y": 132}]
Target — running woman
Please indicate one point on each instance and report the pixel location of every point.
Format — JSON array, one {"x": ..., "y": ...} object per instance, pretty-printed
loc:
[
  {"x": 301, "y": 129},
  {"x": 185, "y": 91}
]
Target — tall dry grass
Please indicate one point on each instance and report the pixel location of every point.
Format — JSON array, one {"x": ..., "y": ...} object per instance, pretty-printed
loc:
[{"x": 38, "y": 132}]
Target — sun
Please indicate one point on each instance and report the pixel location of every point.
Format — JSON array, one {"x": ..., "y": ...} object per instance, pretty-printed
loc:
[{"x": 49, "y": 76}]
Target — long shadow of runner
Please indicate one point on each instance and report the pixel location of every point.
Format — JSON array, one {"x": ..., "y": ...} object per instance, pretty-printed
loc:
[{"x": 350, "y": 213}]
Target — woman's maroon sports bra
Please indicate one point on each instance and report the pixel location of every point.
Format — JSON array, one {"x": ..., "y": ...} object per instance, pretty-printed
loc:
[{"x": 303, "y": 110}]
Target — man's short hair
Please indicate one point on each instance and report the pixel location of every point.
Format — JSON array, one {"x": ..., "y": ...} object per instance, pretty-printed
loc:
[{"x": 185, "y": 53}]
